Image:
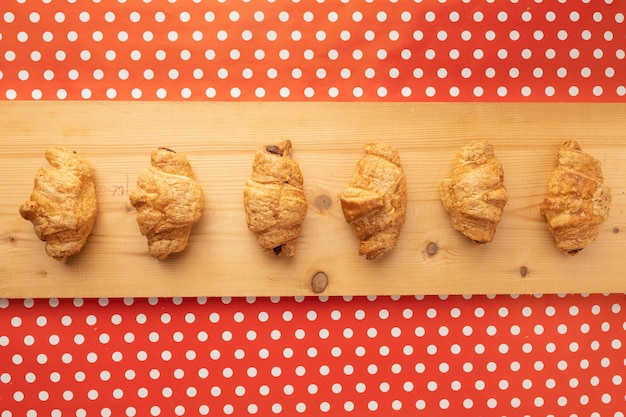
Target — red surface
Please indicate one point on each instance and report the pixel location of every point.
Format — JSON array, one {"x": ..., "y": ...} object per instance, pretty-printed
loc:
[
  {"x": 504, "y": 355},
  {"x": 550, "y": 355},
  {"x": 360, "y": 50}
]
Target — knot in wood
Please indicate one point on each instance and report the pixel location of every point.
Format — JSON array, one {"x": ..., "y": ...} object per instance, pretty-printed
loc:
[
  {"x": 323, "y": 202},
  {"x": 432, "y": 249},
  {"x": 523, "y": 271},
  {"x": 319, "y": 282}
]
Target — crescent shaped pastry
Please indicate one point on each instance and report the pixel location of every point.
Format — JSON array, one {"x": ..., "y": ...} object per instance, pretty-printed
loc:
[
  {"x": 579, "y": 202},
  {"x": 274, "y": 199},
  {"x": 169, "y": 202},
  {"x": 474, "y": 193},
  {"x": 375, "y": 201},
  {"x": 62, "y": 206}
]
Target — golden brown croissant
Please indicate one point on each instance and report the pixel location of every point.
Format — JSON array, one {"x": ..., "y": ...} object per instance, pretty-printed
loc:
[
  {"x": 579, "y": 202},
  {"x": 62, "y": 206},
  {"x": 375, "y": 201},
  {"x": 274, "y": 199},
  {"x": 474, "y": 194},
  {"x": 169, "y": 202}
]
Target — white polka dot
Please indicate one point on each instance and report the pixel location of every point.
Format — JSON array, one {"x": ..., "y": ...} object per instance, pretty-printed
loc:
[
  {"x": 562, "y": 35},
  {"x": 595, "y": 345},
  {"x": 345, "y": 35},
  {"x": 10, "y": 56},
  {"x": 550, "y": 53},
  {"x": 550, "y": 16},
  {"x": 282, "y": 54},
  {"x": 420, "y": 404},
  {"x": 479, "y": 348},
  {"x": 490, "y": 35},
  {"x": 172, "y": 36},
  {"x": 357, "y": 16},
  {"x": 98, "y": 74},
  {"x": 515, "y": 366},
  {"x": 259, "y": 92},
  {"x": 72, "y": 36},
  {"x": 22, "y": 36},
  {"x": 466, "y": 35},
  {"x": 609, "y": 72},
  {"x": 467, "y": 330},
  {"x": 538, "y": 365},
  {"x": 562, "y": 365},
  {"x": 432, "y": 386}
]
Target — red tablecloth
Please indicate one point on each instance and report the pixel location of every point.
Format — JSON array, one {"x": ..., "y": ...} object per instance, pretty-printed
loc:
[
  {"x": 560, "y": 355},
  {"x": 353, "y": 50}
]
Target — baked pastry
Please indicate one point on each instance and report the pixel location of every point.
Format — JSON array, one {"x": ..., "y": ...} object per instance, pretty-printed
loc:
[
  {"x": 274, "y": 199},
  {"x": 169, "y": 202},
  {"x": 474, "y": 193},
  {"x": 579, "y": 202},
  {"x": 62, "y": 206},
  {"x": 375, "y": 201}
]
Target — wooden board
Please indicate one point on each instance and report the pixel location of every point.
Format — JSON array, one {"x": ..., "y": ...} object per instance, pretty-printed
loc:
[{"x": 223, "y": 258}]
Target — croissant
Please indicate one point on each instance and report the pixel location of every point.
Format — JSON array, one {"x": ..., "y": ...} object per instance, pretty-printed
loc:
[
  {"x": 62, "y": 206},
  {"x": 579, "y": 202},
  {"x": 474, "y": 193},
  {"x": 375, "y": 201},
  {"x": 274, "y": 199},
  {"x": 169, "y": 202}
]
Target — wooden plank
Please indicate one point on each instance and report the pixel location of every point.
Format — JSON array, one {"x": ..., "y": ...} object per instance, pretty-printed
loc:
[{"x": 223, "y": 258}]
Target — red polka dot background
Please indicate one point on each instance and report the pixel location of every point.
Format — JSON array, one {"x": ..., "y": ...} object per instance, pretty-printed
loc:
[
  {"x": 518, "y": 355},
  {"x": 472, "y": 355},
  {"x": 470, "y": 50}
]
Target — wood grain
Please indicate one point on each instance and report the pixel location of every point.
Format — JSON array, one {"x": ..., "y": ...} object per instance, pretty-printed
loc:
[{"x": 223, "y": 258}]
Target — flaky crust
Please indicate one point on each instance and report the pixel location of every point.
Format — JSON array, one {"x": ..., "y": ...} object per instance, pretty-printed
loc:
[
  {"x": 579, "y": 202},
  {"x": 474, "y": 193},
  {"x": 62, "y": 206},
  {"x": 274, "y": 199},
  {"x": 375, "y": 201},
  {"x": 169, "y": 202}
]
